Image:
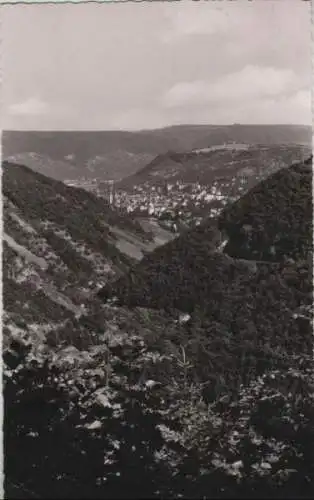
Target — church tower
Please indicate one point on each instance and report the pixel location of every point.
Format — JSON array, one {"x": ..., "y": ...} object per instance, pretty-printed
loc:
[{"x": 111, "y": 193}]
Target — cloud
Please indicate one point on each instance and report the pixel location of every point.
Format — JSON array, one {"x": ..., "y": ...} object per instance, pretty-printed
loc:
[
  {"x": 173, "y": 62},
  {"x": 251, "y": 82},
  {"x": 302, "y": 98},
  {"x": 31, "y": 107},
  {"x": 190, "y": 19},
  {"x": 236, "y": 19},
  {"x": 293, "y": 109}
]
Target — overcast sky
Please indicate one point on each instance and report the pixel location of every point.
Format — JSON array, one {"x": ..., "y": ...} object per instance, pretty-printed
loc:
[{"x": 147, "y": 65}]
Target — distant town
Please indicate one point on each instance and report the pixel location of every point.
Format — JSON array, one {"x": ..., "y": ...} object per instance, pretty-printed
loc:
[{"x": 173, "y": 202}]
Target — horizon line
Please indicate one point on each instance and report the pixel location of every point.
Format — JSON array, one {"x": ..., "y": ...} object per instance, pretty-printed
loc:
[{"x": 236, "y": 124}]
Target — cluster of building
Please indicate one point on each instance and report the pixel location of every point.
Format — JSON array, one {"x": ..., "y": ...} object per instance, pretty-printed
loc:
[
  {"x": 172, "y": 201},
  {"x": 177, "y": 201}
]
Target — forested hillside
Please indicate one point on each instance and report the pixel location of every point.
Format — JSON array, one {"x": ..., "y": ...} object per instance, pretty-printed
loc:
[{"x": 275, "y": 219}]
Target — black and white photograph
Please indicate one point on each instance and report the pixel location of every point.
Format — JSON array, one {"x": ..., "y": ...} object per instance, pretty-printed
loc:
[{"x": 157, "y": 250}]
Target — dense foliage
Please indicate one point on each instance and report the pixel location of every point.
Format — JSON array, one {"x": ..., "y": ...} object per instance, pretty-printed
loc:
[
  {"x": 273, "y": 220},
  {"x": 263, "y": 442},
  {"x": 95, "y": 423},
  {"x": 96, "y": 427}
]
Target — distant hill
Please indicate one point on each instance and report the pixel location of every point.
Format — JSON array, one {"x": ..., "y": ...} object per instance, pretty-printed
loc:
[
  {"x": 205, "y": 165},
  {"x": 60, "y": 244},
  {"x": 117, "y": 154},
  {"x": 200, "y": 136},
  {"x": 110, "y": 166}
]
